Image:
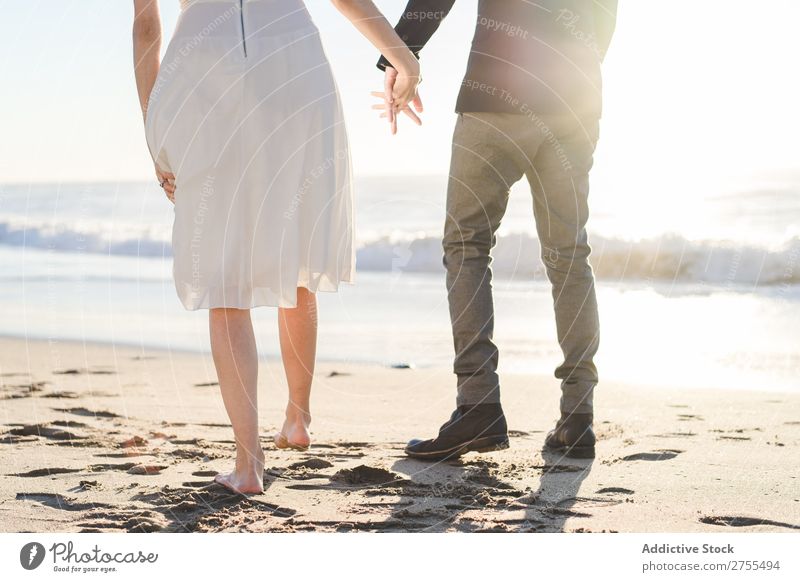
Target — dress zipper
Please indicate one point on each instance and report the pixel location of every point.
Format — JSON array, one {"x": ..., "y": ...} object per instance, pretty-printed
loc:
[{"x": 241, "y": 21}]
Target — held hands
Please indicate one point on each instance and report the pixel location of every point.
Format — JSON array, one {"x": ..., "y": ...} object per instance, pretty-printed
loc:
[{"x": 399, "y": 90}]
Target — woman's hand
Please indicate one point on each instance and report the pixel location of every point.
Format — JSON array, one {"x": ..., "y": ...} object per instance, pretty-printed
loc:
[
  {"x": 396, "y": 90},
  {"x": 366, "y": 17},
  {"x": 167, "y": 181},
  {"x": 404, "y": 88}
]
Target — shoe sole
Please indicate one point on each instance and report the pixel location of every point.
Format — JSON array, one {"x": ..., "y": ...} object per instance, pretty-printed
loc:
[
  {"x": 480, "y": 445},
  {"x": 574, "y": 452}
]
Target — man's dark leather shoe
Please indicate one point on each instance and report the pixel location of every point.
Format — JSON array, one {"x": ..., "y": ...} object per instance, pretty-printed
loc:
[
  {"x": 480, "y": 428},
  {"x": 573, "y": 435}
]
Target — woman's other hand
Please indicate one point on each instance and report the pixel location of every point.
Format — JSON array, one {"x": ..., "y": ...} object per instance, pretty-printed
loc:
[{"x": 167, "y": 181}]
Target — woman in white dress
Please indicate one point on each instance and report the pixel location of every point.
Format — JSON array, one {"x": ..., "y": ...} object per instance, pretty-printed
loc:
[{"x": 244, "y": 124}]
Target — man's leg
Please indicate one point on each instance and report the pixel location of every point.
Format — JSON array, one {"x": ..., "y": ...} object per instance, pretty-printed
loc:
[
  {"x": 481, "y": 174},
  {"x": 482, "y": 170},
  {"x": 560, "y": 183}
]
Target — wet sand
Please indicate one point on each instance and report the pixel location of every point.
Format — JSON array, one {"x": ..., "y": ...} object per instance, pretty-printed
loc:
[{"x": 104, "y": 438}]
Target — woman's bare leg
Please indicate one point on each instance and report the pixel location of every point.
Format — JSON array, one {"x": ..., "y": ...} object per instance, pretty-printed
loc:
[
  {"x": 233, "y": 346},
  {"x": 298, "y": 335}
]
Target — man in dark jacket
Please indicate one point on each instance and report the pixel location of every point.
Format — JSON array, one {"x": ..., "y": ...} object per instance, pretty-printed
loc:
[{"x": 529, "y": 105}]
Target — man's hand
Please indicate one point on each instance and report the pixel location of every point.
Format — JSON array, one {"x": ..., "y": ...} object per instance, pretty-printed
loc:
[{"x": 398, "y": 89}]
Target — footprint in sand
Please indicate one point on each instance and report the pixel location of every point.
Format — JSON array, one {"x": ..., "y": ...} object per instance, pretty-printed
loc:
[
  {"x": 126, "y": 454},
  {"x": 351, "y": 449},
  {"x": 661, "y": 455},
  {"x": 46, "y": 472},
  {"x": 676, "y": 434},
  {"x": 366, "y": 475},
  {"x": 302, "y": 470},
  {"x": 13, "y": 391},
  {"x": 294, "y": 475},
  {"x": 564, "y": 512},
  {"x": 347, "y": 455},
  {"x": 196, "y": 454},
  {"x": 134, "y": 520},
  {"x": 547, "y": 468},
  {"x": 62, "y": 394},
  {"x": 310, "y": 487},
  {"x": 110, "y": 467},
  {"x": 353, "y": 445},
  {"x": 620, "y": 490},
  {"x": 45, "y": 431},
  {"x": 58, "y": 501},
  {"x": 76, "y": 371},
  {"x": 486, "y": 474},
  {"x": 246, "y": 513},
  {"x": 362, "y": 475},
  {"x": 313, "y": 463},
  {"x": 740, "y": 521},
  {"x": 211, "y": 507},
  {"x": 81, "y": 411},
  {"x": 146, "y": 469}
]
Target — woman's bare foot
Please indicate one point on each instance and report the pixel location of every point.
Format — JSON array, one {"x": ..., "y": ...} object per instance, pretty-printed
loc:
[
  {"x": 247, "y": 477},
  {"x": 294, "y": 434}
]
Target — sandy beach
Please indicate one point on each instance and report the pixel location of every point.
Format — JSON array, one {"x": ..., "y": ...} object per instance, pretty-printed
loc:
[{"x": 105, "y": 438}]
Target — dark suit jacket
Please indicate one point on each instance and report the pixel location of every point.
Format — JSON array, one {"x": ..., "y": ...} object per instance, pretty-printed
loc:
[{"x": 542, "y": 56}]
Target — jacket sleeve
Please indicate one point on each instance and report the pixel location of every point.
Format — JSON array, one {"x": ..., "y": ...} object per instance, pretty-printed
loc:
[
  {"x": 419, "y": 22},
  {"x": 605, "y": 19}
]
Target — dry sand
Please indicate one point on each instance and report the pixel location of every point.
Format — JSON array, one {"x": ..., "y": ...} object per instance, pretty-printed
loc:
[{"x": 104, "y": 438}]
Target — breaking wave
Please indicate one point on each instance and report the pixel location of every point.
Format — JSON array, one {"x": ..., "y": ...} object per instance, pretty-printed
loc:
[{"x": 664, "y": 258}]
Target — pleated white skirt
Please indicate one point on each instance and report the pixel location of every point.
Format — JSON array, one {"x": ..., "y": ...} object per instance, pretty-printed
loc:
[{"x": 246, "y": 113}]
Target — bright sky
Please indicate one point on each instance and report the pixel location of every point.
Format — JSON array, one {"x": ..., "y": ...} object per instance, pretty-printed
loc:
[{"x": 699, "y": 95}]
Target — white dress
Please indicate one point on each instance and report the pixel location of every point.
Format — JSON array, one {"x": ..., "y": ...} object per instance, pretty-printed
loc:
[{"x": 246, "y": 113}]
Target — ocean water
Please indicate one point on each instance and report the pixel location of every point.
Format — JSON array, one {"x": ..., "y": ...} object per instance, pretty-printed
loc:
[
  {"x": 92, "y": 262},
  {"x": 749, "y": 238}
]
